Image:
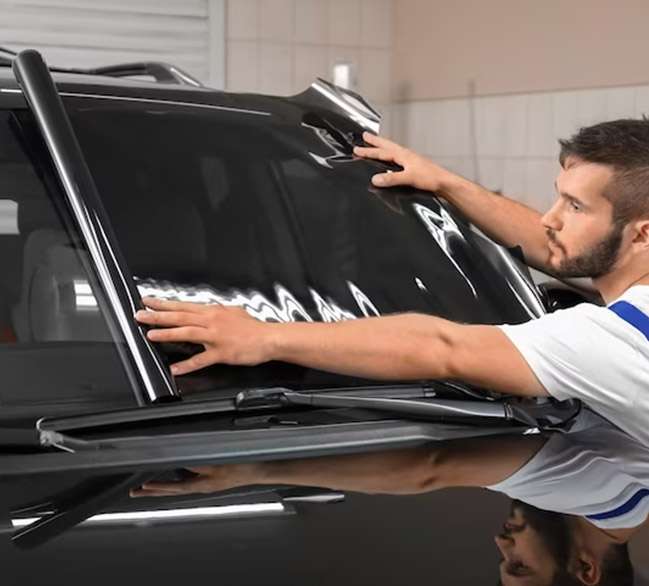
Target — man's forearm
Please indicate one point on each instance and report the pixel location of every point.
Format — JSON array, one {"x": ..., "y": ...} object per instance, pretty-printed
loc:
[
  {"x": 506, "y": 221},
  {"x": 465, "y": 462},
  {"x": 408, "y": 471},
  {"x": 398, "y": 347}
]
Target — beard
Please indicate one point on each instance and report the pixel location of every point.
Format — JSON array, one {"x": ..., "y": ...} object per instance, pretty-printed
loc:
[
  {"x": 553, "y": 528},
  {"x": 594, "y": 262}
]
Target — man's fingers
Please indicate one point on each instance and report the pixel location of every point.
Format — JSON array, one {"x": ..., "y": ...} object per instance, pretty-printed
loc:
[
  {"x": 379, "y": 141},
  {"x": 161, "y": 489},
  {"x": 169, "y": 318},
  {"x": 196, "y": 362},
  {"x": 169, "y": 305},
  {"x": 193, "y": 334},
  {"x": 390, "y": 179},
  {"x": 373, "y": 153}
]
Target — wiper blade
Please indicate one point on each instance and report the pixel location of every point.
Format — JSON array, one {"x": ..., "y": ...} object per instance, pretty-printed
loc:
[{"x": 180, "y": 409}]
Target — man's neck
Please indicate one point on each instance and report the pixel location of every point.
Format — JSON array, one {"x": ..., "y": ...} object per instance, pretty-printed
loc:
[
  {"x": 615, "y": 283},
  {"x": 596, "y": 536}
]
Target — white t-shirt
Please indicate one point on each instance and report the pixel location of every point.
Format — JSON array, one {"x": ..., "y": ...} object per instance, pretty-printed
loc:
[
  {"x": 597, "y": 472},
  {"x": 588, "y": 352}
]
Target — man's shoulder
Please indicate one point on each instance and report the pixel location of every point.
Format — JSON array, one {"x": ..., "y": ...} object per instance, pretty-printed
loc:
[{"x": 638, "y": 295}]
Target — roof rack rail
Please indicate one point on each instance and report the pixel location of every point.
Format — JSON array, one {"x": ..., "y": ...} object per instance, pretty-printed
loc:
[{"x": 162, "y": 72}]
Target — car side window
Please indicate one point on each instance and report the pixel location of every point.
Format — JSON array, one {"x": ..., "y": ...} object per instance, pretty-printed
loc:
[{"x": 55, "y": 347}]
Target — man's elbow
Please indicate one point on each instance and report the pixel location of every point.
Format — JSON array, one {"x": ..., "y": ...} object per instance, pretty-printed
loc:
[
  {"x": 440, "y": 354},
  {"x": 431, "y": 475}
]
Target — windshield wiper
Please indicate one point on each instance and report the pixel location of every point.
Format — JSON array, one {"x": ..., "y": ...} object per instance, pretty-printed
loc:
[
  {"x": 547, "y": 415},
  {"x": 417, "y": 401}
]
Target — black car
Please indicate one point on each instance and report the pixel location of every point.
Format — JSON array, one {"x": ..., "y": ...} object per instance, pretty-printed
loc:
[{"x": 115, "y": 188}]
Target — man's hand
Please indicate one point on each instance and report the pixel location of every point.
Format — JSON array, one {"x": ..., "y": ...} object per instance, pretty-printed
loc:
[
  {"x": 418, "y": 171},
  {"x": 228, "y": 334},
  {"x": 208, "y": 479}
]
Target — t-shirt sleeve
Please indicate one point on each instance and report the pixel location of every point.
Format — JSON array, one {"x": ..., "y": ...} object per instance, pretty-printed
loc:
[{"x": 585, "y": 352}]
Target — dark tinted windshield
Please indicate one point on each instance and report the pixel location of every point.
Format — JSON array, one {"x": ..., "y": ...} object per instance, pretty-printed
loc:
[
  {"x": 251, "y": 209},
  {"x": 56, "y": 351}
]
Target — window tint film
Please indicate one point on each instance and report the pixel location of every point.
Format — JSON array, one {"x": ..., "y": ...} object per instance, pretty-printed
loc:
[
  {"x": 56, "y": 352},
  {"x": 271, "y": 212}
]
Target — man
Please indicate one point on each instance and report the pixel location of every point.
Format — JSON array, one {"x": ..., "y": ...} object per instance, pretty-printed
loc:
[{"x": 598, "y": 228}]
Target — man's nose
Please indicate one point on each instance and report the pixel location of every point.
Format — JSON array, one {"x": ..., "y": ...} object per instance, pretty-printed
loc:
[
  {"x": 504, "y": 544},
  {"x": 552, "y": 219}
]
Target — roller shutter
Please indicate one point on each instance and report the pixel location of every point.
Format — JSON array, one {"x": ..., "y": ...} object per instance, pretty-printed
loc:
[{"x": 86, "y": 33}]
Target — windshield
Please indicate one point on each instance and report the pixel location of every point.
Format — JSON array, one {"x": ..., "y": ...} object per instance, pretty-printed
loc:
[
  {"x": 55, "y": 347},
  {"x": 245, "y": 208}
]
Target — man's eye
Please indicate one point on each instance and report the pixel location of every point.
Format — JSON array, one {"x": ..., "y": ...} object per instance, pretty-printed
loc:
[{"x": 575, "y": 206}]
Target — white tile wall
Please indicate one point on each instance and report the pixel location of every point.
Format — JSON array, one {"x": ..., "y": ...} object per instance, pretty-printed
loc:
[
  {"x": 516, "y": 136},
  {"x": 311, "y": 22},
  {"x": 374, "y": 73},
  {"x": 490, "y": 117},
  {"x": 276, "y": 68},
  {"x": 277, "y": 18},
  {"x": 311, "y": 61},
  {"x": 491, "y": 173},
  {"x": 243, "y": 19},
  {"x": 541, "y": 141},
  {"x": 376, "y": 23},
  {"x": 344, "y": 22},
  {"x": 642, "y": 101},
  {"x": 620, "y": 102},
  {"x": 242, "y": 66},
  {"x": 564, "y": 114},
  {"x": 313, "y": 35}
]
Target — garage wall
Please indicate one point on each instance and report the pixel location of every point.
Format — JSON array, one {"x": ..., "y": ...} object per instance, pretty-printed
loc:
[
  {"x": 87, "y": 33},
  {"x": 281, "y": 46},
  {"x": 471, "y": 81}
]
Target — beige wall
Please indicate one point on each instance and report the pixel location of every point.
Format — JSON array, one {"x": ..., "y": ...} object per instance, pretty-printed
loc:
[{"x": 515, "y": 46}]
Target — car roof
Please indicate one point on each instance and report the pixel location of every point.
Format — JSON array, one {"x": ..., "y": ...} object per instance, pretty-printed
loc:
[
  {"x": 73, "y": 83},
  {"x": 88, "y": 83}
]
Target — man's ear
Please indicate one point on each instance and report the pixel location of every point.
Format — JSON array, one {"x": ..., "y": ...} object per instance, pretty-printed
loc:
[
  {"x": 641, "y": 233},
  {"x": 587, "y": 569}
]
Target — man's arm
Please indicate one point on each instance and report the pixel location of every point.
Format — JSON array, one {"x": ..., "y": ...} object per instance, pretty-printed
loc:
[
  {"x": 397, "y": 347},
  {"x": 470, "y": 462},
  {"x": 506, "y": 221}
]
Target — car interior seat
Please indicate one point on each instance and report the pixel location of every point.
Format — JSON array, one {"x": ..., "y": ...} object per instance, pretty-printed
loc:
[{"x": 56, "y": 303}]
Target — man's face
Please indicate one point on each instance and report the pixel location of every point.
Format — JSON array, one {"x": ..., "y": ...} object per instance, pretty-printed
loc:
[
  {"x": 525, "y": 545},
  {"x": 582, "y": 239}
]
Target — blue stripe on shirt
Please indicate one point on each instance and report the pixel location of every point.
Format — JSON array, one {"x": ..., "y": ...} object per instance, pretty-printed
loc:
[
  {"x": 636, "y": 318},
  {"x": 627, "y": 507},
  {"x": 632, "y": 315}
]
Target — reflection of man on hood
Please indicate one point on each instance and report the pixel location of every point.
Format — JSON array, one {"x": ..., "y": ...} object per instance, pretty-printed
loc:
[
  {"x": 594, "y": 477},
  {"x": 545, "y": 548},
  {"x": 597, "y": 479}
]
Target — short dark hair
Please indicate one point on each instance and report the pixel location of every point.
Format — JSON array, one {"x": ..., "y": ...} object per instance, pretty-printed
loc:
[
  {"x": 624, "y": 146},
  {"x": 617, "y": 570}
]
